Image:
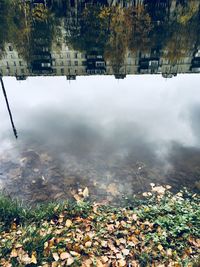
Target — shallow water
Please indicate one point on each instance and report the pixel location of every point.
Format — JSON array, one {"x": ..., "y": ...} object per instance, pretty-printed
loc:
[{"x": 123, "y": 124}]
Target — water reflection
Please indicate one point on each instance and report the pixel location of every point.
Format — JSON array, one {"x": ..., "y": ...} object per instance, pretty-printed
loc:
[
  {"x": 72, "y": 38},
  {"x": 101, "y": 134},
  {"x": 112, "y": 137}
]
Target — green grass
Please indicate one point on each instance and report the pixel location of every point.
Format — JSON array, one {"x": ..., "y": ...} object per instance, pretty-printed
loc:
[{"x": 174, "y": 220}]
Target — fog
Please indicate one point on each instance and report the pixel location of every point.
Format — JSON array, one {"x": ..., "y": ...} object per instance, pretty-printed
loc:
[{"x": 139, "y": 119}]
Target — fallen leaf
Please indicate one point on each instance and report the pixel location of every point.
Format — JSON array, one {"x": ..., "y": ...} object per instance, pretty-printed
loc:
[
  {"x": 122, "y": 263},
  {"x": 125, "y": 252},
  {"x": 68, "y": 223},
  {"x": 69, "y": 261},
  {"x": 14, "y": 253},
  {"x": 18, "y": 245},
  {"x": 112, "y": 188},
  {"x": 88, "y": 244},
  {"x": 65, "y": 255},
  {"x": 55, "y": 256},
  {"x": 160, "y": 247},
  {"x": 85, "y": 192},
  {"x": 33, "y": 258}
]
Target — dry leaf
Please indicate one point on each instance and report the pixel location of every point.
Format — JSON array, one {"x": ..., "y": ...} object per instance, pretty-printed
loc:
[
  {"x": 87, "y": 263},
  {"x": 68, "y": 223},
  {"x": 33, "y": 258},
  {"x": 122, "y": 263},
  {"x": 25, "y": 259},
  {"x": 74, "y": 253},
  {"x": 77, "y": 197},
  {"x": 160, "y": 247},
  {"x": 14, "y": 253},
  {"x": 69, "y": 261},
  {"x": 85, "y": 192},
  {"x": 104, "y": 259},
  {"x": 18, "y": 245},
  {"x": 125, "y": 252},
  {"x": 88, "y": 244},
  {"x": 55, "y": 256},
  {"x": 112, "y": 188},
  {"x": 104, "y": 244},
  {"x": 65, "y": 255},
  {"x": 135, "y": 217}
]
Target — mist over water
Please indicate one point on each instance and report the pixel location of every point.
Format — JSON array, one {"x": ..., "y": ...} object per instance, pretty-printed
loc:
[{"x": 98, "y": 131}]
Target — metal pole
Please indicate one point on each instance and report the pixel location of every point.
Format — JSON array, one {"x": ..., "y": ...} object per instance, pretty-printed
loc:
[{"x": 8, "y": 107}]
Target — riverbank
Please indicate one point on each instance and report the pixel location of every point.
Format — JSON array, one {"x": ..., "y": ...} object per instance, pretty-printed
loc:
[{"x": 158, "y": 229}]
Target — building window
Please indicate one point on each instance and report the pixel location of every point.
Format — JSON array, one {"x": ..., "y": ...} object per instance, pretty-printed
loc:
[
  {"x": 62, "y": 71},
  {"x": 46, "y": 64},
  {"x": 10, "y": 48},
  {"x": 69, "y": 63},
  {"x": 75, "y": 55},
  {"x": 68, "y": 55},
  {"x": 14, "y": 63},
  {"x": 62, "y": 63},
  {"x": 22, "y": 71},
  {"x": 76, "y": 63}
]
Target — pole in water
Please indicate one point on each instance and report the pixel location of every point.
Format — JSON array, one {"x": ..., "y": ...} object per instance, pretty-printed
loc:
[{"x": 8, "y": 107}]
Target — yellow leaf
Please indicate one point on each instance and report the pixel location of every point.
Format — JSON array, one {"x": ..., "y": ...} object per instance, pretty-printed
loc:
[
  {"x": 160, "y": 247},
  {"x": 68, "y": 223},
  {"x": 33, "y": 258},
  {"x": 14, "y": 253}
]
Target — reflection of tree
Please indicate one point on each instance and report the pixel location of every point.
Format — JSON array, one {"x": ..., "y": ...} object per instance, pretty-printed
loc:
[
  {"x": 181, "y": 40},
  {"x": 91, "y": 33},
  {"x": 129, "y": 30},
  {"x": 139, "y": 24},
  {"x": 4, "y": 18},
  {"x": 116, "y": 46},
  {"x": 14, "y": 24}
]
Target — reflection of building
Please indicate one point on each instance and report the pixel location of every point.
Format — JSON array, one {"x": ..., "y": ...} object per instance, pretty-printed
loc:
[
  {"x": 70, "y": 63},
  {"x": 49, "y": 55}
]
